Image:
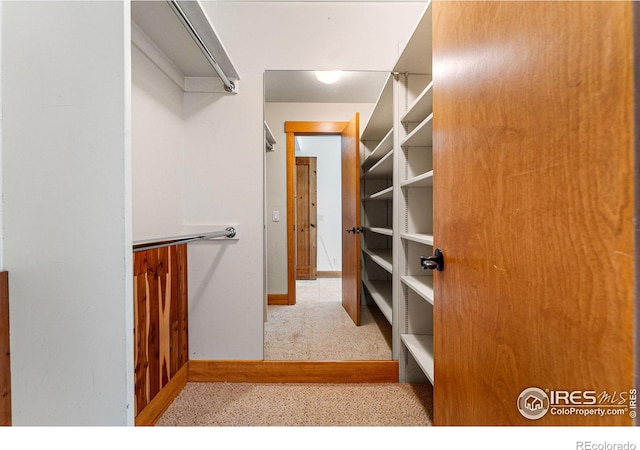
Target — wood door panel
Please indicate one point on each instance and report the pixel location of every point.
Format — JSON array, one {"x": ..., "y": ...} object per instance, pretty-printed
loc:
[
  {"x": 306, "y": 234},
  {"x": 534, "y": 206},
  {"x": 351, "y": 218}
]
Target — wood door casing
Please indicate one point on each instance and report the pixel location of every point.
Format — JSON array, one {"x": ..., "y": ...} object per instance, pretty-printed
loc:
[
  {"x": 293, "y": 128},
  {"x": 533, "y": 205},
  {"x": 351, "y": 218},
  {"x": 306, "y": 213},
  {"x": 350, "y": 142}
]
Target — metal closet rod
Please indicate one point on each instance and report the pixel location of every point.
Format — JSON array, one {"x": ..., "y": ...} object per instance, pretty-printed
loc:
[
  {"x": 139, "y": 246},
  {"x": 229, "y": 85}
]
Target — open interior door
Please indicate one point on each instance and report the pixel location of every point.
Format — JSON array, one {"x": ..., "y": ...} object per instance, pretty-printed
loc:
[
  {"x": 351, "y": 218},
  {"x": 534, "y": 210}
]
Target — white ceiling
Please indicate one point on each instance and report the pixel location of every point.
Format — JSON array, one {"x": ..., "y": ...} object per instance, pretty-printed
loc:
[{"x": 293, "y": 86}]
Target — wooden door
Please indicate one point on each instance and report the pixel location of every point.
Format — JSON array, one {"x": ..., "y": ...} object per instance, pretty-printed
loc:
[
  {"x": 351, "y": 218},
  {"x": 534, "y": 209},
  {"x": 306, "y": 212}
]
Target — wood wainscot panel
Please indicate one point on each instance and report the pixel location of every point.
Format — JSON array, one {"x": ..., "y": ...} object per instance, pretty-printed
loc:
[
  {"x": 160, "y": 319},
  {"x": 5, "y": 358}
]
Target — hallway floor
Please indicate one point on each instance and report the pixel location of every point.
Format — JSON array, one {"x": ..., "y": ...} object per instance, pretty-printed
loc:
[{"x": 317, "y": 328}]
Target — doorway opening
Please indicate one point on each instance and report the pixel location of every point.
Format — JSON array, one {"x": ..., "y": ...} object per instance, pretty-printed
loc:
[
  {"x": 318, "y": 207},
  {"x": 348, "y": 133}
]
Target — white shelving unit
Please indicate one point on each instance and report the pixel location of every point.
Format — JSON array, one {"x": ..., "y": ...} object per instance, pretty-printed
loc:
[
  {"x": 397, "y": 205},
  {"x": 377, "y": 188},
  {"x": 414, "y": 212}
]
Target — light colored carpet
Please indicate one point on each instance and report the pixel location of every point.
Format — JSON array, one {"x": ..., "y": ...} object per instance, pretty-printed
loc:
[
  {"x": 335, "y": 405},
  {"x": 317, "y": 328}
]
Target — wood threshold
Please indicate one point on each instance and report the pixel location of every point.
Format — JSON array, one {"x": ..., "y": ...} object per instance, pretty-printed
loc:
[
  {"x": 293, "y": 371},
  {"x": 156, "y": 407},
  {"x": 277, "y": 299}
]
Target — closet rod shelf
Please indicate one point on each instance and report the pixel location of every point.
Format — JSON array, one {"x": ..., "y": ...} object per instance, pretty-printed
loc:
[
  {"x": 150, "y": 244},
  {"x": 181, "y": 40}
]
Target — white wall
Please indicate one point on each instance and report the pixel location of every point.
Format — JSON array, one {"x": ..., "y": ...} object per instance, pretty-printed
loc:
[
  {"x": 158, "y": 151},
  {"x": 275, "y": 115},
  {"x": 328, "y": 153},
  {"x": 67, "y": 203},
  {"x": 224, "y": 146}
]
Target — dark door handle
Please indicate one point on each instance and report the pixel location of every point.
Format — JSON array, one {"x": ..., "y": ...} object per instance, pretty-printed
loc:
[
  {"x": 435, "y": 262},
  {"x": 355, "y": 230}
]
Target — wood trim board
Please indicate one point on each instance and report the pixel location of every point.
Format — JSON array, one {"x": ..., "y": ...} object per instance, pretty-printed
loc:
[
  {"x": 278, "y": 299},
  {"x": 5, "y": 352},
  {"x": 159, "y": 404},
  {"x": 294, "y": 371},
  {"x": 329, "y": 274}
]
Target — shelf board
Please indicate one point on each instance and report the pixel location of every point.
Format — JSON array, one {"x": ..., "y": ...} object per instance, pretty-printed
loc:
[
  {"x": 382, "y": 257},
  {"x": 384, "y": 147},
  {"x": 382, "y": 169},
  {"x": 270, "y": 140},
  {"x": 422, "y": 285},
  {"x": 422, "y": 180},
  {"x": 421, "y": 108},
  {"x": 381, "y": 293},
  {"x": 385, "y": 194},
  {"x": 422, "y": 238},
  {"x": 381, "y": 119},
  {"x": 417, "y": 54},
  {"x": 159, "y": 24},
  {"x": 380, "y": 230},
  {"x": 421, "y": 347},
  {"x": 269, "y": 134},
  {"x": 421, "y": 136}
]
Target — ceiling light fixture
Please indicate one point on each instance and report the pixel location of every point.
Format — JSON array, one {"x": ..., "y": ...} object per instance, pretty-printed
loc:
[{"x": 328, "y": 76}]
